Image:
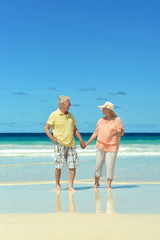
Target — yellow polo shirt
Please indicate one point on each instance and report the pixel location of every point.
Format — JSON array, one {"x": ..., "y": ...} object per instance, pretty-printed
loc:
[{"x": 63, "y": 127}]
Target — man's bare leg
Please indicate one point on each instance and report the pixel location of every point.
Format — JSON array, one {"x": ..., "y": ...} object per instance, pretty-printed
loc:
[
  {"x": 57, "y": 177},
  {"x": 96, "y": 185},
  {"x": 58, "y": 202},
  {"x": 72, "y": 173}
]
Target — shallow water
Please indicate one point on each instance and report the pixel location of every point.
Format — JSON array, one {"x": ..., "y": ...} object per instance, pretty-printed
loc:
[
  {"x": 30, "y": 157},
  {"x": 123, "y": 199}
]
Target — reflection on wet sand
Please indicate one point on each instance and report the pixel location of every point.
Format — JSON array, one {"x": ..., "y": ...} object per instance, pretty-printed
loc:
[
  {"x": 110, "y": 204},
  {"x": 58, "y": 202},
  {"x": 72, "y": 207},
  {"x": 98, "y": 202}
]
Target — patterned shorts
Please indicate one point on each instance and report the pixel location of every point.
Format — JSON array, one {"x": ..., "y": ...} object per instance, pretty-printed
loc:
[{"x": 65, "y": 153}]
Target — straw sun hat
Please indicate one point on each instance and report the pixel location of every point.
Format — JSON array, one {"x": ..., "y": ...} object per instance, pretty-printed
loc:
[{"x": 108, "y": 105}]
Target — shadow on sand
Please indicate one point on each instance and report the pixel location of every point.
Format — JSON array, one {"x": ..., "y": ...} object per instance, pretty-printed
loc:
[
  {"x": 121, "y": 186},
  {"x": 79, "y": 188}
]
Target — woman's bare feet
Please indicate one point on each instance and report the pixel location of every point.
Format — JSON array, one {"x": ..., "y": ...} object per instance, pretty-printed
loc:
[
  {"x": 109, "y": 184},
  {"x": 96, "y": 185}
]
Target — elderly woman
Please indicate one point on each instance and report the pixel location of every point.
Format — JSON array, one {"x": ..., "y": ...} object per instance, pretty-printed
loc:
[{"x": 108, "y": 131}]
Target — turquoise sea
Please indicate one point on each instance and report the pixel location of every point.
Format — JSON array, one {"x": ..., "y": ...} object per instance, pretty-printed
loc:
[
  {"x": 27, "y": 177},
  {"x": 29, "y": 157}
]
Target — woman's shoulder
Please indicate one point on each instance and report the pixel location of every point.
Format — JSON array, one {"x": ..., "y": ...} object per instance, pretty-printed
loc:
[
  {"x": 117, "y": 119},
  {"x": 101, "y": 120}
]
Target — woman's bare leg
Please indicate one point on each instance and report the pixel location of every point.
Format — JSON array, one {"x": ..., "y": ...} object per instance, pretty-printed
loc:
[
  {"x": 109, "y": 184},
  {"x": 96, "y": 185}
]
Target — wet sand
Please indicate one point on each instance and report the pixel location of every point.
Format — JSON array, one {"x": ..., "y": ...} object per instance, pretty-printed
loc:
[{"x": 35, "y": 212}]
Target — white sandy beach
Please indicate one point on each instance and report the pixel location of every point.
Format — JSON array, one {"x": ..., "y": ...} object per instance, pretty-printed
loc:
[
  {"x": 79, "y": 226},
  {"x": 35, "y": 212}
]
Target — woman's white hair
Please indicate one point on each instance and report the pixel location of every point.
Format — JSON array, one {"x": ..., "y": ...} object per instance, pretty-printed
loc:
[
  {"x": 62, "y": 99},
  {"x": 113, "y": 113}
]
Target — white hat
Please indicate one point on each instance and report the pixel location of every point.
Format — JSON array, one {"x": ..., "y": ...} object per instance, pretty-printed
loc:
[{"x": 108, "y": 105}]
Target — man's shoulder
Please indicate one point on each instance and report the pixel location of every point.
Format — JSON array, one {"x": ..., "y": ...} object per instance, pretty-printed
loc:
[
  {"x": 53, "y": 115},
  {"x": 70, "y": 114},
  {"x": 55, "y": 112}
]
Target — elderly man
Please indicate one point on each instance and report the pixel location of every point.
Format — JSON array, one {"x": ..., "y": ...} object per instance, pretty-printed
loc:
[{"x": 64, "y": 128}]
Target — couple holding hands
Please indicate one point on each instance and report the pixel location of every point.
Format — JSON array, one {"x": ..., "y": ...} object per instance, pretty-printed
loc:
[{"x": 108, "y": 132}]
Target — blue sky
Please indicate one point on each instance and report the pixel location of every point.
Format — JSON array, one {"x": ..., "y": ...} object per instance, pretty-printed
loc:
[{"x": 92, "y": 50}]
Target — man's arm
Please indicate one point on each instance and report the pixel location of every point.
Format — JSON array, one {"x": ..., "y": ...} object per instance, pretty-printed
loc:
[
  {"x": 78, "y": 135},
  {"x": 48, "y": 133}
]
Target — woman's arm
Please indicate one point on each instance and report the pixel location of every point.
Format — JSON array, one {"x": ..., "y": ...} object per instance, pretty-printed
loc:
[
  {"x": 119, "y": 134},
  {"x": 120, "y": 128},
  {"x": 94, "y": 135}
]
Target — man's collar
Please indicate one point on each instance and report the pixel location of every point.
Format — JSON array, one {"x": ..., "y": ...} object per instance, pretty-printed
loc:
[{"x": 60, "y": 113}]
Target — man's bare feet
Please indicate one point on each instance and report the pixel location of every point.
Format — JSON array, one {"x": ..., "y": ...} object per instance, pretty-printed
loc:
[
  {"x": 96, "y": 185},
  {"x": 71, "y": 189},
  {"x": 58, "y": 187}
]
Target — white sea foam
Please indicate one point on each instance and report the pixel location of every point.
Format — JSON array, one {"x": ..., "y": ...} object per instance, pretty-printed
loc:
[{"x": 47, "y": 150}]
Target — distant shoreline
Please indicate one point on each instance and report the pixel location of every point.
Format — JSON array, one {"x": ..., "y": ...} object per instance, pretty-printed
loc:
[{"x": 84, "y": 133}]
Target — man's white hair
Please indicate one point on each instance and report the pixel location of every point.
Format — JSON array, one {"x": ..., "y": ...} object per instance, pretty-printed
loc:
[{"x": 62, "y": 99}]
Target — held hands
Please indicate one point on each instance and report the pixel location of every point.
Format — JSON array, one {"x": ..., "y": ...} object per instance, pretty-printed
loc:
[
  {"x": 83, "y": 145},
  {"x": 54, "y": 140}
]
